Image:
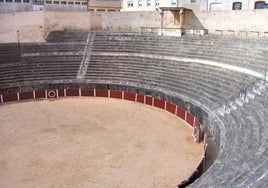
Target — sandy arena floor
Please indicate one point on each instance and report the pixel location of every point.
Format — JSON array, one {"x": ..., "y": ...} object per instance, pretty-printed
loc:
[{"x": 93, "y": 142}]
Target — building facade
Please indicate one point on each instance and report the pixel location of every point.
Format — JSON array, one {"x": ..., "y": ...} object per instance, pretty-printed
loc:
[
  {"x": 203, "y": 5},
  {"x": 104, "y": 5},
  {"x": 7, "y": 6}
]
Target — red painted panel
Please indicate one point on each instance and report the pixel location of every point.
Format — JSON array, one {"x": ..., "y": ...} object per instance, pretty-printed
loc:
[
  {"x": 129, "y": 96},
  {"x": 40, "y": 94},
  {"x": 197, "y": 123},
  {"x": 51, "y": 93},
  {"x": 140, "y": 98},
  {"x": 87, "y": 92},
  {"x": 159, "y": 103},
  {"x": 10, "y": 97},
  {"x": 72, "y": 92},
  {"x": 149, "y": 100},
  {"x": 61, "y": 92},
  {"x": 101, "y": 93},
  {"x": 171, "y": 108},
  {"x": 181, "y": 113},
  {"x": 26, "y": 95},
  {"x": 116, "y": 94},
  {"x": 190, "y": 119}
]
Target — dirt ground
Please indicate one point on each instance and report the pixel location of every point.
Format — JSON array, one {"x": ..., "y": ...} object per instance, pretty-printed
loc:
[{"x": 93, "y": 142}]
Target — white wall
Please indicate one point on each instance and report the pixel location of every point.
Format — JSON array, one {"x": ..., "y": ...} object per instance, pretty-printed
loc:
[
  {"x": 34, "y": 26},
  {"x": 245, "y": 20},
  {"x": 29, "y": 24},
  {"x": 152, "y": 7}
]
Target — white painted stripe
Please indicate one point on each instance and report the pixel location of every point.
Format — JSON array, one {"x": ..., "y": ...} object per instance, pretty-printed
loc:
[
  {"x": 185, "y": 116},
  {"x": 64, "y": 91},
  {"x": 18, "y": 96},
  {"x": 80, "y": 92},
  {"x": 187, "y": 60},
  {"x": 123, "y": 94},
  {"x": 262, "y": 176},
  {"x": 109, "y": 93},
  {"x": 176, "y": 111},
  {"x": 136, "y": 97},
  {"x": 46, "y": 94},
  {"x": 1, "y": 98},
  {"x": 144, "y": 99},
  {"x": 94, "y": 92},
  {"x": 33, "y": 94},
  {"x": 153, "y": 102},
  {"x": 194, "y": 121},
  {"x": 165, "y": 105},
  {"x": 57, "y": 93}
]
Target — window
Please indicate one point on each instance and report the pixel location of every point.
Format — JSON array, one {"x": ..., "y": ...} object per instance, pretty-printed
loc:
[
  {"x": 48, "y": 2},
  {"x": 84, "y": 3},
  {"x": 56, "y": 2},
  {"x": 237, "y": 5},
  {"x": 148, "y": 3},
  {"x": 77, "y": 3},
  {"x": 259, "y": 4},
  {"x": 173, "y": 2},
  {"x": 140, "y": 3},
  {"x": 130, "y": 4},
  {"x": 1, "y": 1},
  {"x": 157, "y": 3},
  {"x": 9, "y": 1},
  {"x": 63, "y": 2},
  {"x": 38, "y": 2},
  {"x": 193, "y": 1},
  {"x": 17, "y": 1},
  {"x": 26, "y": 1},
  {"x": 70, "y": 3}
]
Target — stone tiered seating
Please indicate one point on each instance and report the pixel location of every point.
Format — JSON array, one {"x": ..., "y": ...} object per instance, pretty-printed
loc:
[
  {"x": 244, "y": 156},
  {"x": 27, "y": 63},
  {"x": 226, "y": 50},
  {"x": 67, "y": 36},
  {"x": 10, "y": 65},
  {"x": 205, "y": 84},
  {"x": 244, "y": 159}
]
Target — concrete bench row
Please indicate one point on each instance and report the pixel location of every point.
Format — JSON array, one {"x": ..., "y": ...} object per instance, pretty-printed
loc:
[
  {"x": 27, "y": 62},
  {"x": 243, "y": 161},
  {"x": 254, "y": 57},
  {"x": 215, "y": 86},
  {"x": 67, "y": 36}
]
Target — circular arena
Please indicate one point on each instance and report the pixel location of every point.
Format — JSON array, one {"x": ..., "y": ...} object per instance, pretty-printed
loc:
[{"x": 218, "y": 83}]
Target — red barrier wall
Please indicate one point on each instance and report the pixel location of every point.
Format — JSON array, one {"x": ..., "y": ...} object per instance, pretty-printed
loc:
[
  {"x": 129, "y": 96},
  {"x": 40, "y": 94},
  {"x": 149, "y": 100},
  {"x": 181, "y": 113},
  {"x": 159, "y": 103},
  {"x": 10, "y": 97},
  {"x": 87, "y": 92},
  {"x": 101, "y": 93},
  {"x": 72, "y": 92},
  {"x": 116, "y": 94},
  {"x": 26, "y": 95},
  {"x": 140, "y": 98},
  {"x": 171, "y": 108},
  {"x": 190, "y": 119}
]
